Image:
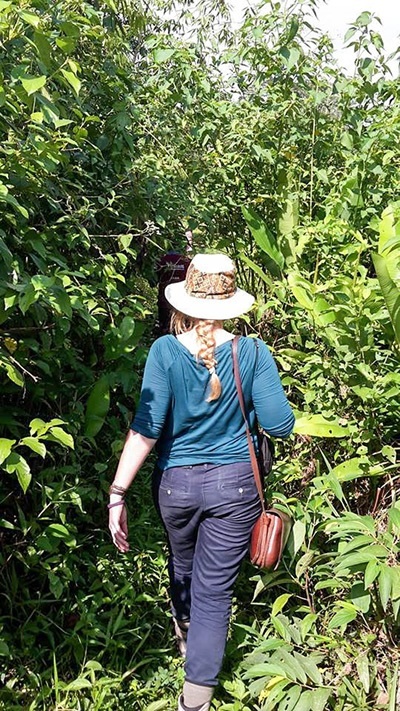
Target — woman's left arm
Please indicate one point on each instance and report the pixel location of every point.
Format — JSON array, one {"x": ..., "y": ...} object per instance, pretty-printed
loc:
[{"x": 273, "y": 411}]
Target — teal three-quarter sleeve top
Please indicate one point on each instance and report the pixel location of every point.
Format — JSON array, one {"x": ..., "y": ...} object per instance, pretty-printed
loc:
[{"x": 173, "y": 407}]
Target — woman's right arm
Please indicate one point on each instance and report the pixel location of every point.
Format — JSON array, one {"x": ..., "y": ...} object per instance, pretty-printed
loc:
[
  {"x": 136, "y": 449},
  {"x": 146, "y": 428},
  {"x": 273, "y": 411}
]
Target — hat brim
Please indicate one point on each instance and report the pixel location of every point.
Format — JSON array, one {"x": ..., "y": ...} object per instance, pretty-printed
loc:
[{"x": 216, "y": 309}]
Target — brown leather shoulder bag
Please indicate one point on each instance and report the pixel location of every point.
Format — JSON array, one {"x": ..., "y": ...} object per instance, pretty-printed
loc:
[{"x": 272, "y": 528}]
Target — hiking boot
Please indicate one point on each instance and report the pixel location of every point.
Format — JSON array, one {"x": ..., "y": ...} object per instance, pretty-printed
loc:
[
  {"x": 181, "y": 629},
  {"x": 181, "y": 707}
]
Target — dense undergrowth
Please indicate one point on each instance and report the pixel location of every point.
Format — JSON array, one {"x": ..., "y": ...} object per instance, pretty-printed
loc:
[{"x": 119, "y": 129}]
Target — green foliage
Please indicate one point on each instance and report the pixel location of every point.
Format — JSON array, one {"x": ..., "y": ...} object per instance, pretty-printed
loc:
[{"x": 120, "y": 126}]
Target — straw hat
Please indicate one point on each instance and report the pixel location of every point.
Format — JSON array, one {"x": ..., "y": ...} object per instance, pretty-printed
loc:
[{"x": 209, "y": 290}]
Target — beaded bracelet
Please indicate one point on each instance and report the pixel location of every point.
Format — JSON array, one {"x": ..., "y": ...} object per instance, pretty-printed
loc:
[
  {"x": 115, "y": 489},
  {"x": 116, "y": 503}
]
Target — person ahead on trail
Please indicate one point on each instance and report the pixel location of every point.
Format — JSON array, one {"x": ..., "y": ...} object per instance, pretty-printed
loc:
[
  {"x": 170, "y": 269},
  {"x": 203, "y": 483}
]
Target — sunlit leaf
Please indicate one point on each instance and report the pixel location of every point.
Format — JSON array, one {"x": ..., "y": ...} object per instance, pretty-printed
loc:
[
  {"x": 72, "y": 80},
  {"x": 263, "y": 237},
  {"x": 5, "y": 448},
  {"x": 319, "y": 426},
  {"x": 32, "y": 84},
  {"x": 97, "y": 406},
  {"x": 390, "y": 291},
  {"x": 35, "y": 445}
]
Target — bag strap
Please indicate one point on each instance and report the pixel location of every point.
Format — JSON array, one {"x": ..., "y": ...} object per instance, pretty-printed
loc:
[{"x": 253, "y": 457}]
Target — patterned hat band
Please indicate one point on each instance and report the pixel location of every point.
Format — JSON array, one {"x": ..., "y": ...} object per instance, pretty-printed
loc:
[{"x": 204, "y": 285}]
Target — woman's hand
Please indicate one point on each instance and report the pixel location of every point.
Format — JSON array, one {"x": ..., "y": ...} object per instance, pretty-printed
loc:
[
  {"x": 118, "y": 525},
  {"x": 134, "y": 453}
]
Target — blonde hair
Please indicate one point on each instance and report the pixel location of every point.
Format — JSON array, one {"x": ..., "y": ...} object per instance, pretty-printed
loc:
[{"x": 204, "y": 327}]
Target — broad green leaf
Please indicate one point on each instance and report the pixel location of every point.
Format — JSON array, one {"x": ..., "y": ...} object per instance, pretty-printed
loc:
[
  {"x": 66, "y": 44},
  {"x": 355, "y": 468},
  {"x": 288, "y": 218},
  {"x": 27, "y": 298},
  {"x": 350, "y": 523},
  {"x": 291, "y": 699},
  {"x": 309, "y": 667},
  {"x": 9, "y": 301},
  {"x": 61, "y": 301},
  {"x": 97, "y": 407},
  {"x": 343, "y": 617},
  {"x": 347, "y": 140},
  {"x": 387, "y": 229},
  {"x": 363, "y": 670},
  {"x": 162, "y": 55},
  {"x": 93, "y": 664},
  {"x": 61, "y": 436},
  {"x": 291, "y": 56},
  {"x": 5, "y": 4},
  {"x": 280, "y": 603},
  {"x": 161, "y": 705},
  {"x": 30, "y": 18},
  {"x": 281, "y": 625},
  {"x": 364, "y": 19},
  {"x": 320, "y": 698},
  {"x": 307, "y": 623},
  {"x": 58, "y": 530},
  {"x": 319, "y": 426},
  {"x": 268, "y": 669},
  {"x": 72, "y": 80},
  {"x": 78, "y": 684},
  {"x": 274, "y": 259},
  {"x": 394, "y": 520},
  {"x": 385, "y": 586},
  {"x": 18, "y": 465},
  {"x": 275, "y": 695},
  {"x": 303, "y": 563},
  {"x": 56, "y": 585},
  {"x": 4, "y": 648},
  {"x": 293, "y": 354},
  {"x": 305, "y": 702},
  {"x": 43, "y": 47},
  {"x": 395, "y": 573},
  {"x": 361, "y": 557},
  {"x": 41, "y": 282},
  {"x": 256, "y": 269},
  {"x": 293, "y": 664},
  {"x": 390, "y": 291},
  {"x": 389, "y": 453},
  {"x": 32, "y": 84},
  {"x": 37, "y": 117},
  {"x": 35, "y": 445},
  {"x": 333, "y": 483},
  {"x": 5, "y": 253},
  {"x": 360, "y": 597},
  {"x": 11, "y": 200},
  {"x": 299, "y": 534},
  {"x": 293, "y": 30},
  {"x": 12, "y": 373},
  {"x": 39, "y": 426},
  {"x": 301, "y": 290},
  {"x": 357, "y": 542},
  {"x": 5, "y": 448},
  {"x": 371, "y": 573},
  {"x": 7, "y": 524}
]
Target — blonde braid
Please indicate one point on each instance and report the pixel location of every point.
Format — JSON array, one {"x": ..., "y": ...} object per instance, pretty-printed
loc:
[{"x": 205, "y": 334}]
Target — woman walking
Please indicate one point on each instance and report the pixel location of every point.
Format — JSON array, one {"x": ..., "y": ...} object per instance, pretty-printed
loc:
[{"x": 203, "y": 484}]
